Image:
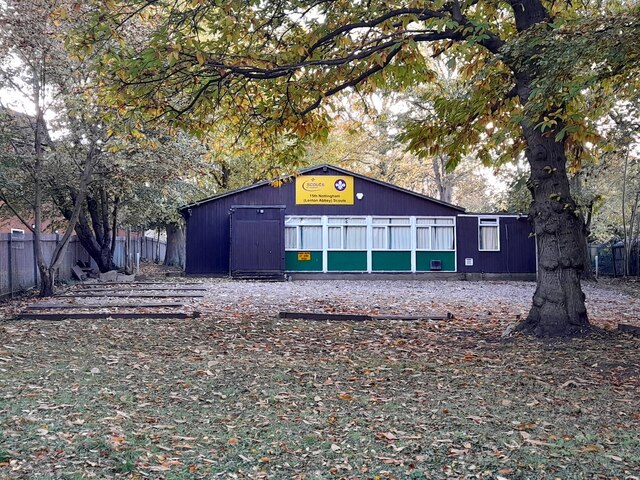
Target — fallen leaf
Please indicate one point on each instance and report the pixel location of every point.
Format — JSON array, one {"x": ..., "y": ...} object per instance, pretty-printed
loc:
[
  {"x": 457, "y": 452},
  {"x": 532, "y": 441},
  {"x": 614, "y": 457},
  {"x": 526, "y": 426},
  {"x": 569, "y": 383},
  {"x": 590, "y": 448}
]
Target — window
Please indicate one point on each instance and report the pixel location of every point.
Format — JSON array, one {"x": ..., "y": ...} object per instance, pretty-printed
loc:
[
  {"x": 435, "y": 234},
  {"x": 423, "y": 238},
  {"x": 488, "y": 234},
  {"x": 310, "y": 238},
  {"x": 335, "y": 238},
  {"x": 347, "y": 220},
  {"x": 355, "y": 238},
  {"x": 303, "y": 220},
  {"x": 347, "y": 233},
  {"x": 399, "y": 238},
  {"x": 384, "y": 233},
  {"x": 291, "y": 238},
  {"x": 303, "y": 233},
  {"x": 442, "y": 238},
  {"x": 391, "y": 233}
]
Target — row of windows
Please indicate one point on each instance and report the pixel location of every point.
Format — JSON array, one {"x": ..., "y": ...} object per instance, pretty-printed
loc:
[
  {"x": 350, "y": 233},
  {"x": 292, "y": 220}
]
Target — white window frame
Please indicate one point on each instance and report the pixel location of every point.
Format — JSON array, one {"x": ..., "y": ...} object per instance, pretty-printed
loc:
[
  {"x": 341, "y": 225},
  {"x": 495, "y": 225},
  {"x": 387, "y": 234},
  {"x": 434, "y": 225},
  {"x": 298, "y": 225},
  {"x": 17, "y": 231}
]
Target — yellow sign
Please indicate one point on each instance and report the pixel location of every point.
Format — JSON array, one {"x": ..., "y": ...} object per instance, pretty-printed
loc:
[
  {"x": 324, "y": 190},
  {"x": 304, "y": 256}
]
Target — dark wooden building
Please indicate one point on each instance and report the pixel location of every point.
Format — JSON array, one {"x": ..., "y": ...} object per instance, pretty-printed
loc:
[{"x": 330, "y": 220}]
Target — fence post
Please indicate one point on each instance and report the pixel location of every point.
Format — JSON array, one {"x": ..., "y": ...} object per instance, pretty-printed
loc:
[
  {"x": 10, "y": 265},
  {"x": 35, "y": 262},
  {"x": 596, "y": 267},
  {"x": 158, "y": 245},
  {"x": 57, "y": 272}
]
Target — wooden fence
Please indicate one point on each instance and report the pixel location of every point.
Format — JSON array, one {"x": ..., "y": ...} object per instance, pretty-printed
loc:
[{"x": 19, "y": 272}]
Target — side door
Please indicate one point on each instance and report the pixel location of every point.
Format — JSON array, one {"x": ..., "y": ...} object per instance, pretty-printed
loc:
[{"x": 257, "y": 240}]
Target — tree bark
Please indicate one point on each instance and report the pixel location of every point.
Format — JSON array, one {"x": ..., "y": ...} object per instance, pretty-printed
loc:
[
  {"x": 93, "y": 227},
  {"x": 46, "y": 282},
  {"x": 175, "y": 254},
  {"x": 114, "y": 225},
  {"x": 100, "y": 252},
  {"x": 558, "y": 307},
  {"x": 46, "y": 274},
  {"x": 442, "y": 178},
  {"x": 558, "y": 303},
  {"x": 588, "y": 273},
  {"x": 632, "y": 233}
]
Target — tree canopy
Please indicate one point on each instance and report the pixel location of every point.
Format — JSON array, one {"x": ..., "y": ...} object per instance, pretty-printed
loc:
[{"x": 268, "y": 66}]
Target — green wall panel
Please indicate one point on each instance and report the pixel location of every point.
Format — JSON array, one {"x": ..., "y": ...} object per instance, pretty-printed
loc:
[
  {"x": 347, "y": 261},
  {"x": 381, "y": 261},
  {"x": 291, "y": 262},
  {"x": 423, "y": 260},
  {"x": 391, "y": 261}
]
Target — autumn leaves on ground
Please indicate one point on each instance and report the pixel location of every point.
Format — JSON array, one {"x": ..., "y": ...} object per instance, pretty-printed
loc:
[{"x": 240, "y": 393}]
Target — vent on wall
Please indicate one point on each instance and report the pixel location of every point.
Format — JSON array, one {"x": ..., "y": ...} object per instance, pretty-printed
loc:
[{"x": 436, "y": 265}]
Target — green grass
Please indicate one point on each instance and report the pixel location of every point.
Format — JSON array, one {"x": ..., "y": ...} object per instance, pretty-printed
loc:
[{"x": 268, "y": 398}]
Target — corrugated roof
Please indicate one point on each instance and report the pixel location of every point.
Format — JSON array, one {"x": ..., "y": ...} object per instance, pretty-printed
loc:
[{"x": 312, "y": 169}]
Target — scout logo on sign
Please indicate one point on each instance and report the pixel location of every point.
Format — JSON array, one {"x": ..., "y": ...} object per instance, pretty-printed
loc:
[{"x": 324, "y": 190}]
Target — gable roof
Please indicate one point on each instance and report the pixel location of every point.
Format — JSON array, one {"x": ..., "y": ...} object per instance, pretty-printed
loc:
[{"x": 320, "y": 167}]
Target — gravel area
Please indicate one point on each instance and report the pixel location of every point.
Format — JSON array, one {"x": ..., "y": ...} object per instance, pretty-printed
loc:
[
  {"x": 463, "y": 299},
  {"x": 499, "y": 301}
]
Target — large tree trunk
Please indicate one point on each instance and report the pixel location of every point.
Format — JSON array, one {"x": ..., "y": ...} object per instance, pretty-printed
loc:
[
  {"x": 97, "y": 246},
  {"x": 46, "y": 274},
  {"x": 93, "y": 228},
  {"x": 558, "y": 303},
  {"x": 175, "y": 254},
  {"x": 46, "y": 282}
]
